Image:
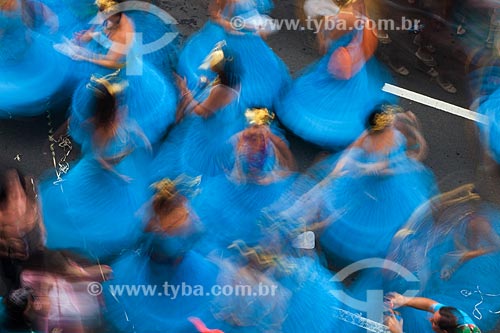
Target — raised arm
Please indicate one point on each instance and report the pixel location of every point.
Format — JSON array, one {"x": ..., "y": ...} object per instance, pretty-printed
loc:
[
  {"x": 397, "y": 300},
  {"x": 121, "y": 44}
]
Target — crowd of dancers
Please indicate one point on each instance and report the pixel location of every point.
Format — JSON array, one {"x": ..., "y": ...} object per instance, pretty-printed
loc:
[{"x": 186, "y": 178}]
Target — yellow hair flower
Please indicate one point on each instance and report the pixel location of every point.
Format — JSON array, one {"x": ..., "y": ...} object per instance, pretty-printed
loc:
[
  {"x": 259, "y": 116},
  {"x": 105, "y": 5},
  {"x": 166, "y": 188},
  {"x": 113, "y": 88},
  {"x": 215, "y": 57}
]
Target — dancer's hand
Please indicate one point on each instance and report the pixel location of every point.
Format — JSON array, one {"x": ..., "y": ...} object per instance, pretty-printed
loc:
[
  {"x": 84, "y": 36},
  {"x": 181, "y": 83},
  {"x": 78, "y": 57},
  {"x": 396, "y": 300},
  {"x": 200, "y": 326},
  {"x": 395, "y": 325}
]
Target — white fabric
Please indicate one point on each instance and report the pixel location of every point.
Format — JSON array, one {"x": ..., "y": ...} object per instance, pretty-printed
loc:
[{"x": 314, "y": 8}]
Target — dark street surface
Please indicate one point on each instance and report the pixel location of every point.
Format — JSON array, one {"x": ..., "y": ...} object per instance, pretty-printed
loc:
[{"x": 454, "y": 149}]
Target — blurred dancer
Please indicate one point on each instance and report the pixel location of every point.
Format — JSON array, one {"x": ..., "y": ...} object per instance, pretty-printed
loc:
[
  {"x": 371, "y": 192},
  {"x": 28, "y": 265},
  {"x": 329, "y": 102},
  {"x": 207, "y": 119},
  {"x": 300, "y": 291},
  {"x": 48, "y": 302},
  {"x": 149, "y": 20},
  {"x": 165, "y": 258},
  {"x": 93, "y": 209},
  {"x": 32, "y": 73},
  {"x": 452, "y": 244},
  {"x": 230, "y": 204},
  {"x": 265, "y": 77},
  {"x": 112, "y": 48},
  {"x": 22, "y": 241}
]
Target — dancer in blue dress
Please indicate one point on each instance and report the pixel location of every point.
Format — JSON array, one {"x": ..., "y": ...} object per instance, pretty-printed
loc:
[
  {"x": 159, "y": 36},
  {"x": 461, "y": 259},
  {"x": 231, "y": 204},
  {"x": 290, "y": 291},
  {"x": 452, "y": 244},
  {"x": 94, "y": 209},
  {"x": 266, "y": 76},
  {"x": 200, "y": 142},
  {"x": 151, "y": 99},
  {"x": 32, "y": 72},
  {"x": 373, "y": 189},
  {"x": 165, "y": 258},
  {"x": 328, "y": 104},
  {"x": 252, "y": 310}
]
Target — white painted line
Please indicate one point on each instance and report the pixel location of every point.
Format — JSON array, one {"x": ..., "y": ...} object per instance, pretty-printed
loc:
[{"x": 435, "y": 103}]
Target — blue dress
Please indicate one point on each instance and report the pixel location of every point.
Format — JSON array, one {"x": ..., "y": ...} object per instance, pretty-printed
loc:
[
  {"x": 231, "y": 205},
  {"x": 473, "y": 287},
  {"x": 94, "y": 211},
  {"x": 312, "y": 304},
  {"x": 150, "y": 98},
  {"x": 150, "y": 22},
  {"x": 32, "y": 73},
  {"x": 490, "y": 133},
  {"x": 367, "y": 208},
  {"x": 200, "y": 146},
  {"x": 162, "y": 259},
  {"x": 261, "y": 307},
  {"x": 291, "y": 296},
  {"x": 431, "y": 242},
  {"x": 265, "y": 77},
  {"x": 329, "y": 112},
  {"x": 194, "y": 52}
]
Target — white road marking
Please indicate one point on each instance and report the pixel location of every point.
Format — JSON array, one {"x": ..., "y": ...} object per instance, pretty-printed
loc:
[{"x": 435, "y": 103}]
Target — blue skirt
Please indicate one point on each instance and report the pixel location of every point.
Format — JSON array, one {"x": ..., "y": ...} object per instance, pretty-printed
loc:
[
  {"x": 490, "y": 133},
  {"x": 369, "y": 210},
  {"x": 34, "y": 79},
  {"x": 200, "y": 146},
  {"x": 264, "y": 76},
  {"x": 232, "y": 211},
  {"x": 150, "y": 101},
  {"x": 196, "y": 49},
  {"x": 312, "y": 303},
  {"x": 473, "y": 287},
  {"x": 93, "y": 211},
  {"x": 329, "y": 112},
  {"x": 162, "y": 310}
]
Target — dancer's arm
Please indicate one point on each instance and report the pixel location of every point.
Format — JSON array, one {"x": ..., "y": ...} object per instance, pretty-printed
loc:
[
  {"x": 220, "y": 96},
  {"x": 479, "y": 230},
  {"x": 121, "y": 44},
  {"x": 397, "y": 300},
  {"x": 285, "y": 154}
]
